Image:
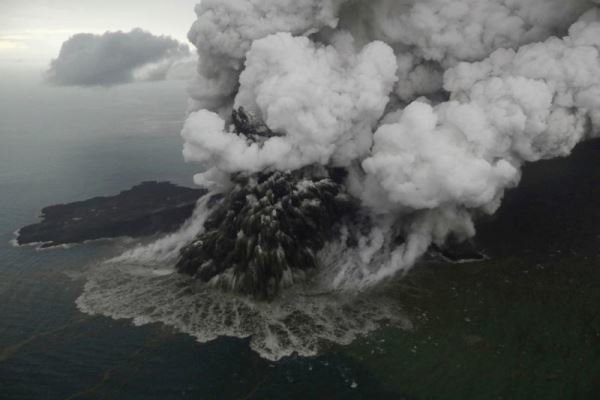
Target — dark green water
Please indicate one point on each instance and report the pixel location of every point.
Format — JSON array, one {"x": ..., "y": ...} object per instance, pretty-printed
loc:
[{"x": 524, "y": 325}]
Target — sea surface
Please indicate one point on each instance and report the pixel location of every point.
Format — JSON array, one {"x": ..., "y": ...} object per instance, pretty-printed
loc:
[{"x": 523, "y": 325}]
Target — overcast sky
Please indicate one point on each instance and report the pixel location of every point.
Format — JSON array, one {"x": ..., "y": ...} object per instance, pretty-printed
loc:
[{"x": 32, "y": 31}]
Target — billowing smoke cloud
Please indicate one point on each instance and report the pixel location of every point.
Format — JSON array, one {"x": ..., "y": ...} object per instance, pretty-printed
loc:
[
  {"x": 506, "y": 82},
  {"x": 116, "y": 58},
  {"x": 428, "y": 36},
  {"x": 282, "y": 90},
  {"x": 226, "y": 29}
]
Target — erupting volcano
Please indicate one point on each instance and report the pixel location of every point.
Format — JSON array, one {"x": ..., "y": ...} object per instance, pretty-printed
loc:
[
  {"x": 333, "y": 199},
  {"x": 378, "y": 128}
]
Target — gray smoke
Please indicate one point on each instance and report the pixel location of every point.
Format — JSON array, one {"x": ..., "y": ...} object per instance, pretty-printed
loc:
[
  {"x": 115, "y": 58},
  {"x": 433, "y": 106}
]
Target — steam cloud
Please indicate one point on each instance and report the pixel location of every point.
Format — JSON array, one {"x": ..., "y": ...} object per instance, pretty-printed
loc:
[
  {"x": 116, "y": 58},
  {"x": 433, "y": 106}
]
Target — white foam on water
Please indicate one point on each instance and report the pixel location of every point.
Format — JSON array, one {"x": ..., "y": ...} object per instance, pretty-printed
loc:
[
  {"x": 44, "y": 246},
  {"x": 15, "y": 240},
  {"x": 141, "y": 285},
  {"x": 299, "y": 321}
]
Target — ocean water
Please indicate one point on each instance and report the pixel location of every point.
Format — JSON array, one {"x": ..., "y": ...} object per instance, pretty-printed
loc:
[
  {"x": 524, "y": 324},
  {"x": 65, "y": 144}
]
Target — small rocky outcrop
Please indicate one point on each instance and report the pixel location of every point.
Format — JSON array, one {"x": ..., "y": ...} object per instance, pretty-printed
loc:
[{"x": 254, "y": 129}]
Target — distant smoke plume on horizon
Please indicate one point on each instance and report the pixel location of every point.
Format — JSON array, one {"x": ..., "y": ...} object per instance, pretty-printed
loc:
[
  {"x": 433, "y": 107},
  {"x": 115, "y": 58}
]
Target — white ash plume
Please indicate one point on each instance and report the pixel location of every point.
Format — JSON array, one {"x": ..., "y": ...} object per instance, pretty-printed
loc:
[
  {"x": 514, "y": 107},
  {"x": 283, "y": 77},
  {"x": 430, "y": 36},
  {"x": 507, "y": 82},
  {"x": 225, "y": 30}
]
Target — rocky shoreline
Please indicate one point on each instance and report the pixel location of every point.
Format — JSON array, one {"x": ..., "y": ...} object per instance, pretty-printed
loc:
[{"x": 146, "y": 209}]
